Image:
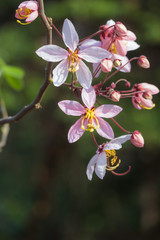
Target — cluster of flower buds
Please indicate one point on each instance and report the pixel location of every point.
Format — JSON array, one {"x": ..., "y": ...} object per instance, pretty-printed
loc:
[{"x": 106, "y": 55}]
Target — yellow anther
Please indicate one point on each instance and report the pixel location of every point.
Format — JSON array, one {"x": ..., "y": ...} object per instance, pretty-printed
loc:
[
  {"x": 73, "y": 61},
  {"x": 113, "y": 48},
  {"x": 90, "y": 116},
  {"x": 112, "y": 158},
  {"x": 146, "y": 107},
  {"x": 23, "y": 23}
]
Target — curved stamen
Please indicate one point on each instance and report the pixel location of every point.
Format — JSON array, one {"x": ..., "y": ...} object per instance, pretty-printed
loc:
[
  {"x": 112, "y": 158},
  {"x": 90, "y": 116},
  {"x": 147, "y": 107},
  {"x": 73, "y": 61}
]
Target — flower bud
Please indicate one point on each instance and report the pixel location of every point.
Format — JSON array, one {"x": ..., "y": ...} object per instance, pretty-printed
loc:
[
  {"x": 115, "y": 96},
  {"x": 143, "y": 62},
  {"x": 127, "y": 84},
  {"x": 113, "y": 85},
  {"x": 147, "y": 95},
  {"x": 137, "y": 139},
  {"x": 106, "y": 65},
  {"x": 120, "y": 29},
  {"x": 117, "y": 62}
]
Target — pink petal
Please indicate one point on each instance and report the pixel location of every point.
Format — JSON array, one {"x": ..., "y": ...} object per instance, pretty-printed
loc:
[
  {"x": 149, "y": 87},
  {"x": 60, "y": 73},
  {"x": 70, "y": 35},
  {"x": 105, "y": 130},
  {"x": 131, "y": 45},
  {"x": 84, "y": 75},
  {"x": 146, "y": 103},
  {"x": 130, "y": 36},
  {"x": 90, "y": 167},
  {"x": 75, "y": 132},
  {"x": 88, "y": 97},
  {"x": 96, "y": 66},
  {"x": 110, "y": 22},
  {"x": 32, "y": 5},
  {"x": 101, "y": 164},
  {"x": 135, "y": 104},
  {"x": 121, "y": 47},
  {"x": 32, "y": 16},
  {"x": 71, "y": 107},
  {"x": 124, "y": 60},
  {"x": 94, "y": 54},
  {"x": 107, "y": 111},
  {"x": 52, "y": 53},
  {"x": 23, "y": 4},
  {"x": 116, "y": 143},
  {"x": 90, "y": 43}
]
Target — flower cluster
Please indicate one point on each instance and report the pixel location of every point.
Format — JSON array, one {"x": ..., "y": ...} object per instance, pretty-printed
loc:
[{"x": 105, "y": 55}]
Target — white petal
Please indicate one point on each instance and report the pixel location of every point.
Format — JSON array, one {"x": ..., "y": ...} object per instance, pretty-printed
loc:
[
  {"x": 110, "y": 22},
  {"x": 96, "y": 66},
  {"x": 90, "y": 167},
  {"x": 70, "y": 35},
  {"x": 101, "y": 164},
  {"x": 84, "y": 75},
  {"x": 116, "y": 142},
  {"x": 52, "y": 53},
  {"x": 88, "y": 97},
  {"x": 94, "y": 54},
  {"x": 75, "y": 132},
  {"x": 90, "y": 43},
  {"x": 132, "y": 45},
  {"x": 60, "y": 73}
]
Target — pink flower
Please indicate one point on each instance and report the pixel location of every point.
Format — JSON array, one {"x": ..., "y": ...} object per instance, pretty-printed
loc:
[
  {"x": 105, "y": 157},
  {"x": 71, "y": 58},
  {"x": 137, "y": 139},
  {"x": 27, "y": 10},
  {"x": 143, "y": 99},
  {"x": 117, "y": 38},
  {"x": 90, "y": 117}
]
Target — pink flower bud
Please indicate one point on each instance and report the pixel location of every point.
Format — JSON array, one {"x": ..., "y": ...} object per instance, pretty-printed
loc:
[
  {"x": 113, "y": 85},
  {"x": 120, "y": 29},
  {"x": 115, "y": 96},
  {"x": 147, "y": 95},
  {"x": 137, "y": 139},
  {"x": 127, "y": 84},
  {"x": 143, "y": 62},
  {"x": 106, "y": 65},
  {"x": 117, "y": 62}
]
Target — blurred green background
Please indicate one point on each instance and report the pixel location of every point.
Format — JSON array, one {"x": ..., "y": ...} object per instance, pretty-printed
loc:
[{"x": 44, "y": 191}]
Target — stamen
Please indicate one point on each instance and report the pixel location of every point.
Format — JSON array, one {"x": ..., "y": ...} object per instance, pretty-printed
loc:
[
  {"x": 23, "y": 23},
  {"x": 73, "y": 61},
  {"x": 146, "y": 107},
  {"x": 90, "y": 116},
  {"x": 113, "y": 48},
  {"x": 113, "y": 160}
]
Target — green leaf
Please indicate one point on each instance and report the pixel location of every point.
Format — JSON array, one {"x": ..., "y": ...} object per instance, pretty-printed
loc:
[{"x": 14, "y": 76}]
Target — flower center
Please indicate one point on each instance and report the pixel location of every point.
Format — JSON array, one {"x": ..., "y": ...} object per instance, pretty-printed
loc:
[
  {"x": 25, "y": 14},
  {"x": 113, "y": 48},
  {"x": 90, "y": 116},
  {"x": 73, "y": 61},
  {"x": 112, "y": 160}
]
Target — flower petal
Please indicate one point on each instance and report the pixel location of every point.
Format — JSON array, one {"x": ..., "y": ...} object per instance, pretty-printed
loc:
[
  {"x": 101, "y": 164},
  {"x": 107, "y": 111},
  {"x": 96, "y": 66},
  {"x": 32, "y": 16},
  {"x": 124, "y": 59},
  {"x": 105, "y": 130},
  {"x": 90, "y": 43},
  {"x": 94, "y": 54},
  {"x": 32, "y": 5},
  {"x": 88, "y": 97},
  {"x": 52, "y": 53},
  {"x": 121, "y": 47},
  {"x": 116, "y": 142},
  {"x": 70, "y": 107},
  {"x": 90, "y": 167},
  {"x": 60, "y": 73},
  {"x": 84, "y": 75},
  {"x": 110, "y": 22},
  {"x": 149, "y": 87},
  {"x": 75, "y": 132},
  {"x": 70, "y": 35},
  {"x": 131, "y": 45}
]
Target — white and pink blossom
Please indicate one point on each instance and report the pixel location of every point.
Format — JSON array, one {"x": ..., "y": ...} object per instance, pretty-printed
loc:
[
  {"x": 91, "y": 117},
  {"x": 99, "y": 162},
  {"x": 28, "y": 11},
  {"x": 142, "y": 98},
  {"x": 71, "y": 59}
]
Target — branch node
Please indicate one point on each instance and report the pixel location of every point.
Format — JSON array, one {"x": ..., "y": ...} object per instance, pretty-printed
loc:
[{"x": 38, "y": 106}]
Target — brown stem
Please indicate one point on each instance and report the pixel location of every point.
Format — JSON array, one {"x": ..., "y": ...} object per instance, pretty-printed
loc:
[{"x": 36, "y": 102}]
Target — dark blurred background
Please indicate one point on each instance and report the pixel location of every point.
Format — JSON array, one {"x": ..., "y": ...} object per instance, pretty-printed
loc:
[{"x": 44, "y": 191}]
